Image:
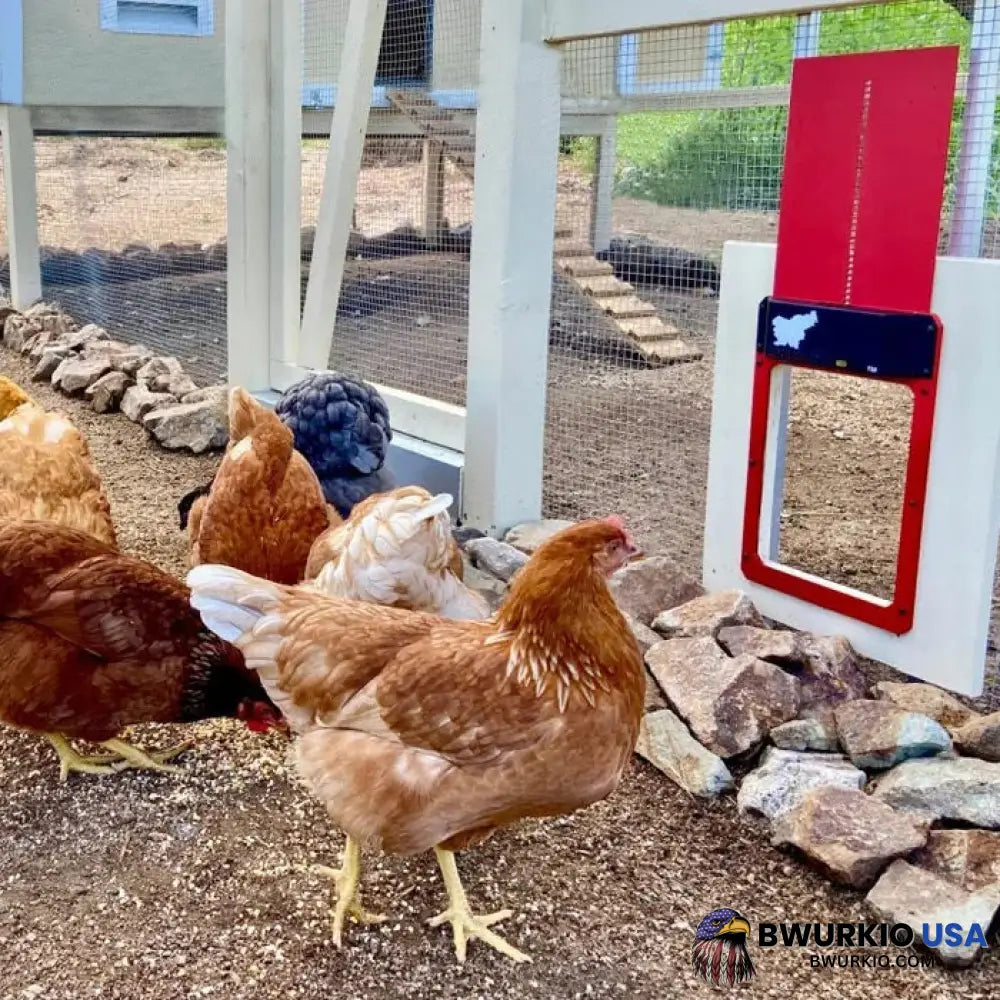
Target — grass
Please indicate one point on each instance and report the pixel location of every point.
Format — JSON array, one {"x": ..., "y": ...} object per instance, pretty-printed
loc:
[{"x": 732, "y": 158}]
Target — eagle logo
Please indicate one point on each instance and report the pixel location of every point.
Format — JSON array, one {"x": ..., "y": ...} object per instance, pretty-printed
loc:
[{"x": 720, "y": 955}]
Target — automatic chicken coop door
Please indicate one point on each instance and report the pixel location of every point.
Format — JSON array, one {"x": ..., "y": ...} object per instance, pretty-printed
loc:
[{"x": 853, "y": 287}]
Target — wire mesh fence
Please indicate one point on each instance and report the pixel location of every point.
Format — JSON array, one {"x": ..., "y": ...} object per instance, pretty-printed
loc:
[
  {"x": 702, "y": 115},
  {"x": 133, "y": 239}
]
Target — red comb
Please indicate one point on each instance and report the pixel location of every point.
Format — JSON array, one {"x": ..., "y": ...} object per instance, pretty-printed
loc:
[{"x": 615, "y": 521}]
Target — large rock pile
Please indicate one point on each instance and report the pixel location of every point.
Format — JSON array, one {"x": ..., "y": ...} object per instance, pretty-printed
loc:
[
  {"x": 868, "y": 787},
  {"x": 150, "y": 390}
]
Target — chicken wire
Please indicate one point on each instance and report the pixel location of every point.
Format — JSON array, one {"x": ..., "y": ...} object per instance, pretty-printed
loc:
[
  {"x": 133, "y": 239},
  {"x": 700, "y": 143},
  {"x": 403, "y": 314}
]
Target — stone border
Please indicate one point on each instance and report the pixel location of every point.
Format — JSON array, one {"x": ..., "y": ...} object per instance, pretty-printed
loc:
[
  {"x": 893, "y": 791},
  {"x": 150, "y": 389}
]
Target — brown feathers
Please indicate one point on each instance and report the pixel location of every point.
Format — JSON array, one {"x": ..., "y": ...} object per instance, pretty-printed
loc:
[
  {"x": 46, "y": 474},
  {"x": 418, "y": 731},
  {"x": 266, "y": 506},
  {"x": 92, "y": 641}
]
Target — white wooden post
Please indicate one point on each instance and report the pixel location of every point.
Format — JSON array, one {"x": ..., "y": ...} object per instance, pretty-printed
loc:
[
  {"x": 982, "y": 87},
  {"x": 604, "y": 184},
  {"x": 264, "y": 136},
  {"x": 433, "y": 191},
  {"x": 358, "y": 63},
  {"x": 517, "y": 150},
  {"x": 21, "y": 197}
]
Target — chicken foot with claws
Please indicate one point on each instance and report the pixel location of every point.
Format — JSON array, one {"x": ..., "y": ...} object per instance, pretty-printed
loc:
[
  {"x": 122, "y": 756},
  {"x": 464, "y": 923},
  {"x": 347, "y": 878}
]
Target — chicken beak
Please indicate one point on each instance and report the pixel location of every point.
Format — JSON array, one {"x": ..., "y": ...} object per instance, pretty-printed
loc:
[
  {"x": 634, "y": 552},
  {"x": 738, "y": 925}
]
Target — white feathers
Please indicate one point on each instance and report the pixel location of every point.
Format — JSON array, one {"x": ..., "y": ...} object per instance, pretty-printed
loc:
[
  {"x": 226, "y": 620},
  {"x": 438, "y": 505},
  {"x": 232, "y": 603},
  {"x": 399, "y": 554}
]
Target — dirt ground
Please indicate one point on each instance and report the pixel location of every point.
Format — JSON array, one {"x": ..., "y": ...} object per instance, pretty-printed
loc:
[
  {"x": 176, "y": 888},
  {"x": 619, "y": 435}
]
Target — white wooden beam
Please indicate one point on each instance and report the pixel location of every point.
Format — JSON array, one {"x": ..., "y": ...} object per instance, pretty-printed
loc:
[
  {"x": 21, "y": 198},
  {"x": 247, "y": 192},
  {"x": 604, "y": 184},
  {"x": 517, "y": 150},
  {"x": 359, "y": 60},
  {"x": 569, "y": 20},
  {"x": 286, "y": 180}
]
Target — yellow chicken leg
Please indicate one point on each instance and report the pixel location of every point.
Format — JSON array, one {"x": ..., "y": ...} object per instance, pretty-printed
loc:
[
  {"x": 347, "y": 879},
  {"x": 463, "y": 922},
  {"x": 122, "y": 756}
]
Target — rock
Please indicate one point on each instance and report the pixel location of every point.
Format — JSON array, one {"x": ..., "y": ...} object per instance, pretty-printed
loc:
[
  {"x": 968, "y": 858},
  {"x": 848, "y": 834},
  {"x": 958, "y": 788},
  {"x": 928, "y": 700},
  {"x": 132, "y": 360},
  {"x": 980, "y": 737},
  {"x": 778, "y": 646},
  {"x": 909, "y": 895},
  {"x": 179, "y": 385},
  {"x": 498, "y": 558},
  {"x": 829, "y": 672},
  {"x": 76, "y": 374},
  {"x": 41, "y": 341},
  {"x": 646, "y": 637},
  {"x": 139, "y": 401},
  {"x": 653, "y": 698},
  {"x": 707, "y": 615},
  {"x": 157, "y": 366},
  {"x": 197, "y": 427},
  {"x": 804, "y": 734},
  {"x": 644, "y": 588},
  {"x": 529, "y": 536},
  {"x": 784, "y": 778},
  {"x": 217, "y": 394},
  {"x": 104, "y": 349},
  {"x": 492, "y": 589},
  {"x": 17, "y": 329},
  {"x": 876, "y": 734},
  {"x": 76, "y": 340},
  {"x": 666, "y": 743},
  {"x": 106, "y": 393},
  {"x": 463, "y": 534},
  {"x": 51, "y": 359},
  {"x": 730, "y": 703}
]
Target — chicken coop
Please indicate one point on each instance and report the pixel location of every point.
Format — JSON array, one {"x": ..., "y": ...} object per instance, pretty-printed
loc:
[{"x": 517, "y": 238}]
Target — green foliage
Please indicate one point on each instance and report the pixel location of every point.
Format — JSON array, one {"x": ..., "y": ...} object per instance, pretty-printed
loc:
[{"x": 732, "y": 159}]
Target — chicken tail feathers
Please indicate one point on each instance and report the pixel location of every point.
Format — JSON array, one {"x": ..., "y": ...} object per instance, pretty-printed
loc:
[{"x": 231, "y": 603}]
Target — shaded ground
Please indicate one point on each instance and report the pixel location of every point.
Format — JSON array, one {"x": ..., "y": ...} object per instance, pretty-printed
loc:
[{"x": 173, "y": 888}]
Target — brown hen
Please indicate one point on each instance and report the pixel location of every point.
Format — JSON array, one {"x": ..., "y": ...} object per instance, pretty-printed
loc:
[
  {"x": 46, "y": 474},
  {"x": 92, "y": 641},
  {"x": 419, "y": 732},
  {"x": 265, "y": 507}
]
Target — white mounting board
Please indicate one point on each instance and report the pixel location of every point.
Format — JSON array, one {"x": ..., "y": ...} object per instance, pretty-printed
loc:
[{"x": 947, "y": 644}]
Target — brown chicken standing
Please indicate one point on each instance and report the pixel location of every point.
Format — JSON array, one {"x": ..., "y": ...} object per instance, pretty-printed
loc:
[
  {"x": 419, "y": 732},
  {"x": 46, "y": 473},
  {"x": 92, "y": 641},
  {"x": 265, "y": 507}
]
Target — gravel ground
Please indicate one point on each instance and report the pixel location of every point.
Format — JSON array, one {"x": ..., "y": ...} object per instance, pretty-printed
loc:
[{"x": 183, "y": 887}]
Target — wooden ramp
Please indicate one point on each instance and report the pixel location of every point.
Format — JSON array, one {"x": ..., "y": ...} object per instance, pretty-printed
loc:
[{"x": 659, "y": 342}]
